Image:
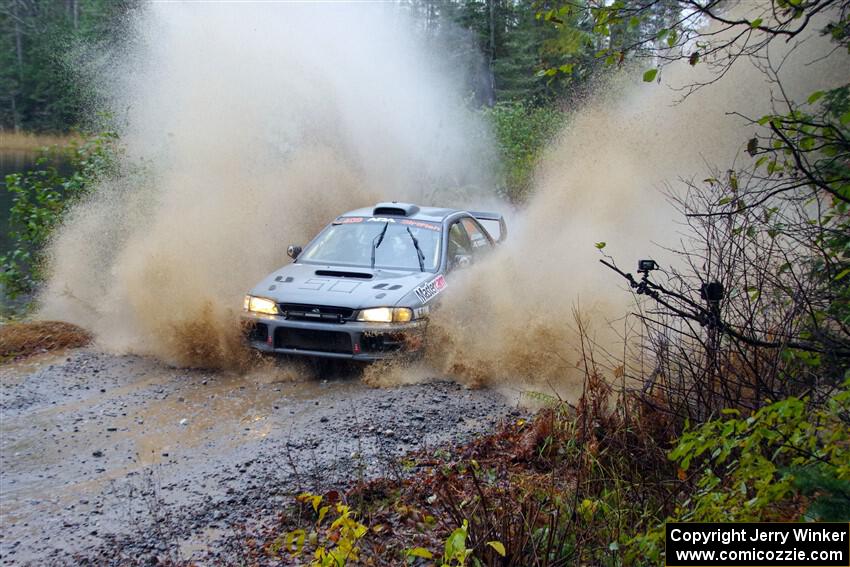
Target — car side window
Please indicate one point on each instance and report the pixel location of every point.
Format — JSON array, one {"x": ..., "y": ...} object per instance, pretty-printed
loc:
[
  {"x": 459, "y": 244},
  {"x": 478, "y": 239}
]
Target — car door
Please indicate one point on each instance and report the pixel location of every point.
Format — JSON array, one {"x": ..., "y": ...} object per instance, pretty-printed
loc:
[
  {"x": 468, "y": 242},
  {"x": 479, "y": 239},
  {"x": 459, "y": 250}
]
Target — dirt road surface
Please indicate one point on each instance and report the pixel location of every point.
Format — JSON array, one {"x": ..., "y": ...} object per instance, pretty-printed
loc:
[{"x": 106, "y": 459}]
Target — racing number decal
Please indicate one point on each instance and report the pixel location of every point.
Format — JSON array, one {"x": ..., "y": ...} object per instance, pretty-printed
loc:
[
  {"x": 426, "y": 292},
  {"x": 475, "y": 235}
]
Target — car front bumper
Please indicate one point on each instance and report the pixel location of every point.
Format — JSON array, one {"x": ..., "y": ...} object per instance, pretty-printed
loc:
[{"x": 351, "y": 340}]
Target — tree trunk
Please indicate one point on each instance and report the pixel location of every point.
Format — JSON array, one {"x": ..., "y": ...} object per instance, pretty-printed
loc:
[
  {"x": 19, "y": 55},
  {"x": 16, "y": 120},
  {"x": 19, "y": 49},
  {"x": 72, "y": 11},
  {"x": 491, "y": 98}
]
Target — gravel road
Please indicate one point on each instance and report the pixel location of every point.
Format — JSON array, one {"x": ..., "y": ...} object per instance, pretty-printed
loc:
[{"x": 106, "y": 459}]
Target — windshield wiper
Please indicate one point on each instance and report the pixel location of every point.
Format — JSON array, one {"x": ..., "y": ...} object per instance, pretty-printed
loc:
[
  {"x": 377, "y": 242},
  {"x": 419, "y": 255}
]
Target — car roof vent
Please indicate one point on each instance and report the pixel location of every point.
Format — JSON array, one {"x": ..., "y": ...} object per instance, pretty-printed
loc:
[{"x": 395, "y": 209}]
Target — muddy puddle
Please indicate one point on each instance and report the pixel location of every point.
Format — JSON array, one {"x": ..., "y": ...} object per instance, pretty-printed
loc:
[{"x": 96, "y": 449}]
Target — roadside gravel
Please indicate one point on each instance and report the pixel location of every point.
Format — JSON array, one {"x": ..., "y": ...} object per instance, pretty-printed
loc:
[{"x": 106, "y": 459}]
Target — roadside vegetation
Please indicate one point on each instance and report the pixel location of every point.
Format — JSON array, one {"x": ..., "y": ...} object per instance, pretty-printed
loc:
[
  {"x": 589, "y": 483},
  {"x": 522, "y": 131},
  {"x": 20, "y": 339},
  {"x": 40, "y": 198},
  {"x": 744, "y": 411}
]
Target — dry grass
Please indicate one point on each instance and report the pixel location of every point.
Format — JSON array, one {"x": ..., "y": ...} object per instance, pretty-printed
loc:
[
  {"x": 19, "y": 340},
  {"x": 30, "y": 142}
]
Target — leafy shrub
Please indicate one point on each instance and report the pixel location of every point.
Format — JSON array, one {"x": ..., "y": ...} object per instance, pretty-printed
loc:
[
  {"x": 522, "y": 131},
  {"x": 335, "y": 544},
  {"x": 41, "y": 197},
  {"x": 786, "y": 461}
]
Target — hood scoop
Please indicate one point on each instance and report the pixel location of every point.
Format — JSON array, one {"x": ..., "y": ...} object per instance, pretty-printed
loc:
[{"x": 341, "y": 274}]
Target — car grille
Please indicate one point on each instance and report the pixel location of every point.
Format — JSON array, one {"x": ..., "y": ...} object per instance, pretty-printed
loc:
[
  {"x": 309, "y": 339},
  {"x": 324, "y": 313}
]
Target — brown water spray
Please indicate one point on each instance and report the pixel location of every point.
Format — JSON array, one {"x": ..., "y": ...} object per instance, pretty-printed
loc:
[
  {"x": 260, "y": 123},
  {"x": 249, "y": 127},
  {"x": 515, "y": 320}
]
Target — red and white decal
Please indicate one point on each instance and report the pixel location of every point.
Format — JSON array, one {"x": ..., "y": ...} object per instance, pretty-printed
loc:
[
  {"x": 426, "y": 292},
  {"x": 421, "y": 224},
  {"x": 348, "y": 220}
]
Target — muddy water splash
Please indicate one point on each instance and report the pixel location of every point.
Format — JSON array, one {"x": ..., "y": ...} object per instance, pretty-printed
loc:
[
  {"x": 515, "y": 320},
  {"x": 248, "y": 127},
  {"x": 258, "y": 123}
]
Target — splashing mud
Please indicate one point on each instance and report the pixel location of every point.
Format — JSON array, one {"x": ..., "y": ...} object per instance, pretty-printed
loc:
[
  {"x": 530, "y": 315},
  {"x": 247, "y": 128},
  {"x": 255, "y": 125}
]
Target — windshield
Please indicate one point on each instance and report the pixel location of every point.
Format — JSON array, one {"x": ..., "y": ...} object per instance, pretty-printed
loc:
[{"x": 349, "y": 240}]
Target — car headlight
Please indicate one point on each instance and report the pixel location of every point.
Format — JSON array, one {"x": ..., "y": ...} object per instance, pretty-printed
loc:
[
  {"x": 386, "y": 315},
  {"x": 260, "y": 305}
]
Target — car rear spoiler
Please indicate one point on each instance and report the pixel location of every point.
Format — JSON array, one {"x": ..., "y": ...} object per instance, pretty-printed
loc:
[{"x": 487, "y": 219}]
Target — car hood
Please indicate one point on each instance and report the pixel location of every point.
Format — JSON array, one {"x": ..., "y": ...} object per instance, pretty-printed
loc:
[{"x": 340, "y": 286}]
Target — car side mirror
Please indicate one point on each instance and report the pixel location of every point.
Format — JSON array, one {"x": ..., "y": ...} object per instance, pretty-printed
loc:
[
  {"x": 461, "y": 261},
  {"x": 293, "y": 251}
]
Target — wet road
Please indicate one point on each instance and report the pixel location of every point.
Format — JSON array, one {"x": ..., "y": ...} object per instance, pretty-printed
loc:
[{"x": 107, "y": 457}]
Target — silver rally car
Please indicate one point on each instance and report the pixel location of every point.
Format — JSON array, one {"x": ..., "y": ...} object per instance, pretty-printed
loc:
[{"x": 364, "y": 287}]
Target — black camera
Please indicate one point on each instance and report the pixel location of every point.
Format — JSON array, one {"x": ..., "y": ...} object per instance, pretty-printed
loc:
[
  {"x": 712, "y": 292},
  {"x": 646, "y": 266}
]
